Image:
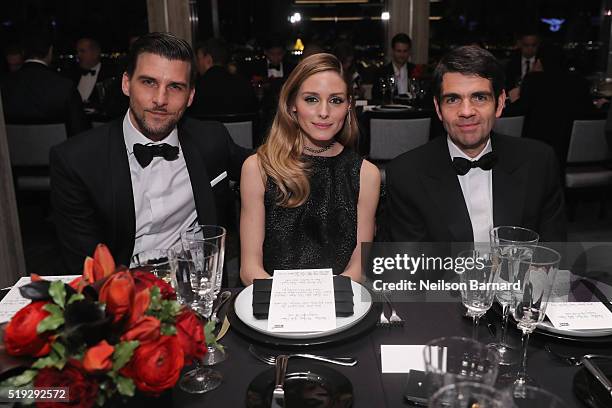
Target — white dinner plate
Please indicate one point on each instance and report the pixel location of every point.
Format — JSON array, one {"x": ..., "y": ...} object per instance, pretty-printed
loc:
[
  {"x": 548, "y": 327},
  {"x": 362, "y": 301}
]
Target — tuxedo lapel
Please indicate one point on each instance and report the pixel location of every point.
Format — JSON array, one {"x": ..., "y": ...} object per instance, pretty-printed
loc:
[
  {"x": 124, "y": 229},
  {"x": 442, "y": 185},
  {"x": 509, "y": 185},
  {"x": 200, "y": 184}
]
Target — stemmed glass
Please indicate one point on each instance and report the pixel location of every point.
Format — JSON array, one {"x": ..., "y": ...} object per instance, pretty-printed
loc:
[
  {"x": 200, "y": 259},
  {"x": 503, "y": 241},
  {"x": 477, "y": 284},
  {"x": 534, "y": 397},
  {"x": 534, "y": 278},
  {"x": 469, "y": 394}
]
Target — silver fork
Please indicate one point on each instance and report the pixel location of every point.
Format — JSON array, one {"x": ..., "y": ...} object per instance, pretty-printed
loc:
[
  {"x": 383, "y": 321},
  {"x": 394, "y": 319},
  {"x": 271, "y": 360}
]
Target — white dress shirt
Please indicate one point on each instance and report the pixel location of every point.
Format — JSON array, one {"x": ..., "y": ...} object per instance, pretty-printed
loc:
[
  {"x": 401, "y": 78},
  {"x": 88, "y": 82},
  {"x": 163, "y": 197},
  {"x": 273, "y": 72},
  {"x": 524, "y": 70},
  {"x": 477, "y": 188}
]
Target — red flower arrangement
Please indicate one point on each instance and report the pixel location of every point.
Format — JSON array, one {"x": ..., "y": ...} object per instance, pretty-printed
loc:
[{"x": 105, "y": 335}]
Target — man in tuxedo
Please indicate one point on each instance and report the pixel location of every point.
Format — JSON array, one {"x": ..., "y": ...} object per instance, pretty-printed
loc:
[
  {"x": 455, "y": 189},
  {"x": 399, "y": 68},
  {"x": 136, "y": 183},
  {"x": 217, "y": 90},
  {"x": 274, "y": 66},
  {"x": 521, "y": 62},
  {"x": 37, "y": 94}
]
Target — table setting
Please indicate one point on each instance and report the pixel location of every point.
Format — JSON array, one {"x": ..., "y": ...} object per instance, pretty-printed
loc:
[{"x": 306, "y": 338}]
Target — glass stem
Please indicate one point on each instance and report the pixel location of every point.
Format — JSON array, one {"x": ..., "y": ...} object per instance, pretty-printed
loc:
[
  {"x": 522, "y": 372},
  {"x": 476, "y": 320},
  {"x": 504, "y": 328}
]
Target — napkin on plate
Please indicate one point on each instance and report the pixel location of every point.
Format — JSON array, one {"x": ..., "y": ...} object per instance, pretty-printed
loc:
[{"x": 343, "y": 296}]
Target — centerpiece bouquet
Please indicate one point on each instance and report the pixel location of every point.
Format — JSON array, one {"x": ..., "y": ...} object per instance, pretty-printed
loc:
[{"x": 107, "y": 335}]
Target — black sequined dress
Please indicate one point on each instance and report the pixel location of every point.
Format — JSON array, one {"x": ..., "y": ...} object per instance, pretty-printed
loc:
[{"x": 322, "y": 232}]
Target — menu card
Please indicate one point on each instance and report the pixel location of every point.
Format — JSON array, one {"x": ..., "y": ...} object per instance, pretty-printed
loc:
[
  {"x": 302, "y": 300},
  {"x": 401, "y": 358},
  {"x": 13, "y": 301},
  {"x": 579, "y": 315}
]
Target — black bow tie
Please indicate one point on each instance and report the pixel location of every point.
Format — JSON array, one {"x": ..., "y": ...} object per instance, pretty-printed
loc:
[
  {"x": 88, "y": 72},
  {"x": 145, "y": 153},
  {"x": 463, "y": 166},
  {"x": 274, "y": 66}
]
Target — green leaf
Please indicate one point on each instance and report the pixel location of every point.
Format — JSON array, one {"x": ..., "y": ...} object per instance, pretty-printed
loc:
[
  {"x": 49, "y": 361},
  {"x": 100, "y": 398},
  {"x": 57, "y": 291},
  {"x": 167, "y": 329},
  {"x": 51, "y": 322},
  {"x": 125, "y": 386},
  {"x": 60, "y": 349},
  {"x": 54, "y": 309},
  {"x": 123, "y": 353},
  {"x": 75, "y": 298},
  {"x": 211, "y": 339},
  {"x": 20, "y": 380}
]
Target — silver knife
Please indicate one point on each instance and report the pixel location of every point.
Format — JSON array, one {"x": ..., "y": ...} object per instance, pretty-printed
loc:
[
  {"x": 597, "y": 373},
  {"x": 278, "y": 395}
]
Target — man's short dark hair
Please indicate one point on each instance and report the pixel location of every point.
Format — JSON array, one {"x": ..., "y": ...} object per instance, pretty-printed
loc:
[
  {"x": 217, "y": 49},
  {"x": 92, "y": 42},
  {"x": 401, "y": 38},
  {"x": 469, "y": 60},
  {"x": 164, "y": 45},
  {"x": 36, "y": 44}
]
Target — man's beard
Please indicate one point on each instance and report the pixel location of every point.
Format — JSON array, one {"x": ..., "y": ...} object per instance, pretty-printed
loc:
[{"x": 155, "y": 134}]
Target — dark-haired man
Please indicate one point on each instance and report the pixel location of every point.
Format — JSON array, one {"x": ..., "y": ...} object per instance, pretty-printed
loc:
[
  {"x": 37, "y": 94},
  {"x": 217, "y": 90},
  {"x": 136, "y": 183},
  {"x": 523, "y": 60},
  {"x": 455, "y": 189},
  {"x": 400, "y": 68}
]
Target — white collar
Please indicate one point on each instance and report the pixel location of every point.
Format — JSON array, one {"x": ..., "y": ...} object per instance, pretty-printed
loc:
[
  {"x": 454, "y": 151},
  {"x": 96, "y": 67},
  {"x": 131, "y": 135}
]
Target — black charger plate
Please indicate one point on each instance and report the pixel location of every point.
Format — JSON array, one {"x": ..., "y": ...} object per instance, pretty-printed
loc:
[
  {"x": 307, "y": 384},
  {"x": 589, "y": 390}
]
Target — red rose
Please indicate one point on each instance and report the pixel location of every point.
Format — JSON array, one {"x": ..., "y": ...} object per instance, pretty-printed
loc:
[
  {"x": 145, "y": 280},
  {"x": 20, "y": 336},
  {"x": 146, "y": 329},
  {"x": 98, "y": 358},
  {"x": 82, "y": 390},
  {"x": 118, "y": 294},
  {"x": 190, "y": 333},
  {"x": 156, "y": 366}
]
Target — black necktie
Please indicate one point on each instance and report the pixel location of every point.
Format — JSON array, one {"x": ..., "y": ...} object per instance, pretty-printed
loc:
[
  {"x": 527, "y": 66},
  {"x": 88, "y": 72},
  {"x": 463, "y": 166},
  {"x": 145, "y": 153}
]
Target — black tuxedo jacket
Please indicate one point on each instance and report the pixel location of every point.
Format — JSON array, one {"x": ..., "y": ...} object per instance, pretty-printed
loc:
[
  {"x": 219, "y": 92},
  {"x": 513, "y": 71},
  {"x": 91, "y": 188},
  {"x": 38, "y": 94},
  {"x": 385, "y": 72},
  {"x": 425, "y": 202},
  {"x": 107, "y": 73}
]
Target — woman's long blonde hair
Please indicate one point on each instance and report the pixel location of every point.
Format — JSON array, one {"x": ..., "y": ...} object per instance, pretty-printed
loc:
[{"x": 280, "y": 157}]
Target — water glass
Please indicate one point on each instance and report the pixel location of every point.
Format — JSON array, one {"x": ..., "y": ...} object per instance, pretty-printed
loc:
[
  {"x": 504, "y": 240},
  {"x": 155, "y": 261},
  {"x": 204, "y": 256},
  {"x": 534, "y": 397},
  {"x": 214, "y": 234},
  {"x": 182, "y": 269},
  {"x": 468, "y": 395},
  {"x": 449, "y": 360}
]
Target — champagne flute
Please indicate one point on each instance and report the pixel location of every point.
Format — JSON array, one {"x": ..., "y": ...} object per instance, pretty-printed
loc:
[{"x": 503, "y": 240}]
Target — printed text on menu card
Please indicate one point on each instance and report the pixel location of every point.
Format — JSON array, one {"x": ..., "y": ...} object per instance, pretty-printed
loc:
[
  {"x": 579, "y": 315},
  {"x": 302, "y": 300}
]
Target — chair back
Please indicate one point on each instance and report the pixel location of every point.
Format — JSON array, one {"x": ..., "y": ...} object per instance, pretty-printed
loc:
[
  {"x": 511, "y": 126},
  {"x": 391, "y": 137},
  {"x": 241, "y": 133},
  {"x": 29, "y": 145},
  {"x": 588, "y": 142}
]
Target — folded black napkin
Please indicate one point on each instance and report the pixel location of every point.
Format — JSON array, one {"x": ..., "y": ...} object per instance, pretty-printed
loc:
[{"x": 343, "y": 296}]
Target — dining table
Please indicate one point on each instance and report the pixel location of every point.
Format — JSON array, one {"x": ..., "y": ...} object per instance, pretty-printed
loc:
[{"x": 423, "y": 322}]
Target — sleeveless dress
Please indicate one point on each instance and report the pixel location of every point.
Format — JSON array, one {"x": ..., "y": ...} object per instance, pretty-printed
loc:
[{"x": 322, "y": 232}]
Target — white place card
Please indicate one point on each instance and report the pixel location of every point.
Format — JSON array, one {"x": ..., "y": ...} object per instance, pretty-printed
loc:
[
  {"x": 401, "y": 358},
  {"x": 302, "y": 300},
  {"x": 13, "y": 301},
  {"x": 579, "y": 315}
]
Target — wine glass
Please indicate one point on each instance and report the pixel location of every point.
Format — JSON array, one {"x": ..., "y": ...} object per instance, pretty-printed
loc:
[
  {"x": 534, "y": 278},
  {"x": 534, "y": 397},
  {"x": 503, "y": 240},
  {"x": 449, "y": 360},
  {"x": 202, "y": 276},
  {"x": 214, "y": 234},
  {"x": 470, "y": 394},
  {"x": 478, "y": 283},
  {"x": 155, "y": 261}
]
